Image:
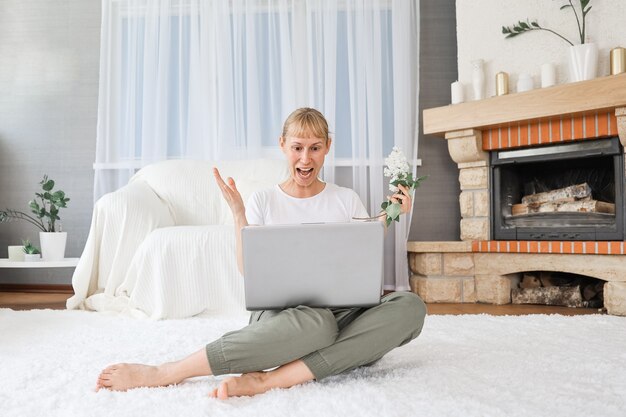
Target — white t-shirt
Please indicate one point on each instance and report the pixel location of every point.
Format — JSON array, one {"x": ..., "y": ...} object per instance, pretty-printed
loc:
[{"x": 274, "y": 206}]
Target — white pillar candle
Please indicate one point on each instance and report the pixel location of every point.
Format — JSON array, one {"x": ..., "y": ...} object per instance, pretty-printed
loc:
[
  {"x": 456, "y": 89},
  {"x": 16, "y": 253},
  {"x": 548, "y": 75}
]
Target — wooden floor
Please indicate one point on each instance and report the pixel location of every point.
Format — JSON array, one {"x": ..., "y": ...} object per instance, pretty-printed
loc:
[{"x": 56, "y": 301}]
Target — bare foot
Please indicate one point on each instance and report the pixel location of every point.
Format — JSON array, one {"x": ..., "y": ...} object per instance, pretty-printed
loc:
[
  {"x": 285, "y": 376},
  {"x": 125, "y": 376},
  {"x": 244, "y": 385}
]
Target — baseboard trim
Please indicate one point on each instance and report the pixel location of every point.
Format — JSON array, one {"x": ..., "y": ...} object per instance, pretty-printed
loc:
[{"x": 40, "y": 288}]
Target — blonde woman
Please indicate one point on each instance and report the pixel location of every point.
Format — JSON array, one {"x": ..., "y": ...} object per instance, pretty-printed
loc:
[{"x": 301, "y": 343}]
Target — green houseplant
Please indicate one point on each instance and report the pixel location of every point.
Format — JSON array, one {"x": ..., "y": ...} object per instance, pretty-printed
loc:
[
  {"x": 29, "y": 248},
  {"x": 31, "y": 252},
  {"x": 45, "y": 208},
  {"x": 44, "y": 215},
  {"x": 583, "y": 57}
]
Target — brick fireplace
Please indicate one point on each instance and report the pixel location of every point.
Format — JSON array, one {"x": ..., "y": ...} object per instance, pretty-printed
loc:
[{"x": 483, "y": 268}]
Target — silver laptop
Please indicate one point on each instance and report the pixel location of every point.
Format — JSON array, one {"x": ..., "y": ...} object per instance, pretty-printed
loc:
[{"x": 315, "y": 264}]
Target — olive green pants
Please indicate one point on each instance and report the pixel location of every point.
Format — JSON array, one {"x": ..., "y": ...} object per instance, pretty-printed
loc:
[{"x": 328, "y": 341}]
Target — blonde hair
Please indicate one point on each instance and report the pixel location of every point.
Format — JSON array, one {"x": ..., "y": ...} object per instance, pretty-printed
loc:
[{"x": 305, "y": 123}]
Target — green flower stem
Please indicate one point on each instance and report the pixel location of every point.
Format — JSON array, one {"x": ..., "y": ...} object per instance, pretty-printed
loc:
[{"x": 370, "y": 218}]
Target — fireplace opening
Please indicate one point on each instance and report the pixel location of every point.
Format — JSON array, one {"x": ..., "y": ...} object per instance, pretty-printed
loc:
[
  {"x": 559, "y": 289},
  {"x": 559, "y": 192}
]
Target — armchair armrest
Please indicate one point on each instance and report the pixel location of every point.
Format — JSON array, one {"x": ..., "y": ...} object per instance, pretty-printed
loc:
[{"x": 121, "y": 221}]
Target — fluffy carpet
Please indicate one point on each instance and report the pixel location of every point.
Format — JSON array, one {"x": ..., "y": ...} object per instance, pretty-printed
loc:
[{"x": 460, "y": 366}]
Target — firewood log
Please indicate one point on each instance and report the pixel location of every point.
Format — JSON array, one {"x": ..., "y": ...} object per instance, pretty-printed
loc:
[
  {"x": 555, "y": 296},
  {"x": 584, "y": 206},
  {"x": 577, "y": 192}
]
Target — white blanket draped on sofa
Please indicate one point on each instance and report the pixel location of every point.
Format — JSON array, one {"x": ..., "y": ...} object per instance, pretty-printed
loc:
[{"x": 163, "y": 246}]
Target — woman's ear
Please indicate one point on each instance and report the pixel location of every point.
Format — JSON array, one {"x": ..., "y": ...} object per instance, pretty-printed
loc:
[{"x": 328, "y": 143}]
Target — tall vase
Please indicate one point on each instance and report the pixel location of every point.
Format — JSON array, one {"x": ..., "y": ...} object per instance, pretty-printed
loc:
[
  {"x": 52, "y": 245},
  {"x": 583, "y": 62},
  {"x": 478, "y": 79}
]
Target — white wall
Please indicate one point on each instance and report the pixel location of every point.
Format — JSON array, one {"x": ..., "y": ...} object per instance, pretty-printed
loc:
[
  {"x": 48, "y": 112},
  {"x": 479, "y": 35}
]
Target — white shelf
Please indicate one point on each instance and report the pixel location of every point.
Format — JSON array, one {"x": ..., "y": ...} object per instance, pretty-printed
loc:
[{"x": 65, "y": 263}]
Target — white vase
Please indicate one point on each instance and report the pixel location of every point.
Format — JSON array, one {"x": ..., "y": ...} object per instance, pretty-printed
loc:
[
  {"x": 478, "y": 79},
  {"x": 52, "y": 245},
  {"x": 583, "y": 62}
]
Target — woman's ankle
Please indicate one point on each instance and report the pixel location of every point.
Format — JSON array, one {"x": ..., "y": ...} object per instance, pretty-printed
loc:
[
  {"x": 169, "y": 374},
  {"x": 288, "y": 375}
]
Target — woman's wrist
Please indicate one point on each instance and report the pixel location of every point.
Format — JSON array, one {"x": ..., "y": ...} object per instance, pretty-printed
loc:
[{"x": 240, "y": 220}]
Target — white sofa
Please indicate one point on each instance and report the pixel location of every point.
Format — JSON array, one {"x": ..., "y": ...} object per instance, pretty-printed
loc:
[{"x": 163, "y": 246}]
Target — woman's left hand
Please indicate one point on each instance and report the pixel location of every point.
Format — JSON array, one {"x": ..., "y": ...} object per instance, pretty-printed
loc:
[{"x": 403, "y": 198}]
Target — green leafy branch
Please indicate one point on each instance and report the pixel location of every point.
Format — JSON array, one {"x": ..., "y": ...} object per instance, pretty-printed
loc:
[{"x": 523, "y": 27}]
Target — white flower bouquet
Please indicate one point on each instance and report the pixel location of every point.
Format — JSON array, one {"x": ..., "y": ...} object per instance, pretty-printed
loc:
[{"x": 399, "y": 172}]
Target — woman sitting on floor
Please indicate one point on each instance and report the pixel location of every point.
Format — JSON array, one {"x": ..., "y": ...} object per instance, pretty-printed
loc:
[{"x": 302, "y": 343}]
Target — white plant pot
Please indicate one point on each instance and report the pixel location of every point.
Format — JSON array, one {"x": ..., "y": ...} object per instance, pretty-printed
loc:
[
  {"x": 32, "y": 257},
  {"x": 52, "y": 245},
  {"x": 583, "y": 62}
]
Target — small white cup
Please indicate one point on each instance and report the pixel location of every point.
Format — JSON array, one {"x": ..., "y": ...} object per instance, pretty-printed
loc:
[
  {"x": 32, "y": 257},
  {"x": 16, "y": 253}
]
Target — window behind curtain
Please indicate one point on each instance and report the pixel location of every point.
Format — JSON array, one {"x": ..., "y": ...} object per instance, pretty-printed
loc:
[
  {"x": 214, "y": 80},
  {"x": 131, "y": 113}
]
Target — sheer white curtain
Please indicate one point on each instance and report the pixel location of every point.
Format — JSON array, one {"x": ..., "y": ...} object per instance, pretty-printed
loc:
[{"x": 214, "y": 79}]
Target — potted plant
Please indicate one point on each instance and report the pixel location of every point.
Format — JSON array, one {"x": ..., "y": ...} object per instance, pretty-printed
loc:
[
  {"x": 583, "y": 58},
  {"x": 31, "y": 252},
  {"x": 45, "y": 208}
]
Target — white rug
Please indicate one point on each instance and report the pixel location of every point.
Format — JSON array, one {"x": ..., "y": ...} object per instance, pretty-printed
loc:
[{"x": 459, "y": 366}]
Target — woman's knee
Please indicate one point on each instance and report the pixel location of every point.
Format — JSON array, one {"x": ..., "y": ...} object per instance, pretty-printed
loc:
[
  {"x": 317, "y": 324},
  {"x": 409, "y": 311}
]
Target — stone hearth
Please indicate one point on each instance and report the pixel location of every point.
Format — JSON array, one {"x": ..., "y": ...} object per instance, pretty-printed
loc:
[{"x": 480, "y": 269}]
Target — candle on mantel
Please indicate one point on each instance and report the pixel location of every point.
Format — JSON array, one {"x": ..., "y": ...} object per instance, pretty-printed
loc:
[
  {"x": 524, "y": 83},
  {"x": 548, "y": 75},
  {"x": 456, "y": 90},
  {"x": 617, "y": 60},
  {"x": 502, "y": 83}
]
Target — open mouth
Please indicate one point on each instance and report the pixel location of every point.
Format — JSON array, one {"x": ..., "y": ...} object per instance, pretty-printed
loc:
[{"x": 304, "y": 173}]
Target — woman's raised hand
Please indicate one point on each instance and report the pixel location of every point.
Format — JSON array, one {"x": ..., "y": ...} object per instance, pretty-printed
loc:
[
  {"x": 403, "y": 198},
  {"x": 230, "y": 193}
]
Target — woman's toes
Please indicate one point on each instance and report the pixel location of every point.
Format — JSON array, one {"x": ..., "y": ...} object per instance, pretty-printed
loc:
[{"x": 222, "y": 391}]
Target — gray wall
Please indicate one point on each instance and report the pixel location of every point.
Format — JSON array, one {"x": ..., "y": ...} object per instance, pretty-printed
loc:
[
  {"x": 49, "y": 53},
  {"x": 48, "y": 109},
  {"x": 437, "y": 214}
]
